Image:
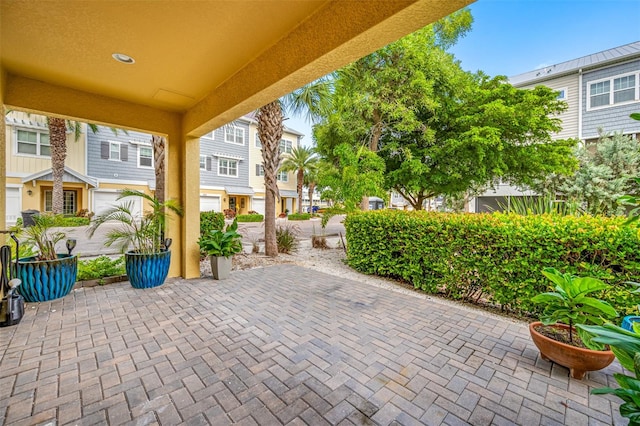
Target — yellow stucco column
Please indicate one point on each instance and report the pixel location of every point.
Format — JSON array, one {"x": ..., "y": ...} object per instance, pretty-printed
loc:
[{"x": 183, "y": 184}]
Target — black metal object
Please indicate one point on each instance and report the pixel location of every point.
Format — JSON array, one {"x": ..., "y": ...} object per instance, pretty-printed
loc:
[
  {"x": 28, "y": 217},
  {"x": 12, "y": 304}
]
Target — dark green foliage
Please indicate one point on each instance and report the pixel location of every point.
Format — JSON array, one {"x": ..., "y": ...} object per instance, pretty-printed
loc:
[
  {"x": 61, "y": 221},
  {"x": 100, "y": 267},
  {"x": 249, "y": 218},
  {"x": 287, "y": 238},
  {"x": 299, "y": 216},
  {"x": 495, "y": 257},
  {"x": 210, "y": 221},
  {"x": 222, "y": 243}
]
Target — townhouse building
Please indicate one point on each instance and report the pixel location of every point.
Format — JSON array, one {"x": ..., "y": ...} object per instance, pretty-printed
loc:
[
  {"x": 601, "y": 91},
  {"x": 102, "y": 163}
]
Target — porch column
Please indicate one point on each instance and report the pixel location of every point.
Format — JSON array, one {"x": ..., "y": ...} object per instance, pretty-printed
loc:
[
  {"x": 183, "y": 184},
  {"x": 3, "y": 159}
]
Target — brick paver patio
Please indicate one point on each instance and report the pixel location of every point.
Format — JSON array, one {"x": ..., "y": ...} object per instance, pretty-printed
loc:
[{"x": 281, "y": 345}]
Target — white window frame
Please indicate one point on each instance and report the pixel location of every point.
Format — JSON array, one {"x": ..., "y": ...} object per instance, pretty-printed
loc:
[
  {"x": 39, "y": 133},
  {"x": 210, "y": 135},
  {"x": 611, "y": 104},
  {"x": 257, "y": 142},
  {"x": 48, "y": 199},
  {"x": 228, "y": 160},
  {"x": 564, "y": 91},
  {"x": 287, "y": 144},
  {"x": 203, "y": 162},
  {"x": 140, "y": 148},
  {"x": 111, "y": 145},
  {"x": 282, "y": 174},
  {"x": 236, "y": 133},
  {"x": 260, "y": 170}
]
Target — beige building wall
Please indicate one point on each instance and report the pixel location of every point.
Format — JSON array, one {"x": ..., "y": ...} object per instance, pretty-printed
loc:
[{"x": 569, "y": 84}]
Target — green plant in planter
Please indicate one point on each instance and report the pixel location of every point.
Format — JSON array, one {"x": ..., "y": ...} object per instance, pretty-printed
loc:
[
  {"x": 222, "y": 243},
  {"x": 626, "y": 347},
  {"x": 144, "y": 235},
  {"x": 571, "y": 304},
  {"x": 43, "y": 237}
]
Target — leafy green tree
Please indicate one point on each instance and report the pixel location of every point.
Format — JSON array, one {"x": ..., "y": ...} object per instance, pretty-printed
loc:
[
  {"x": 302, "y": 161},
  {"x": 383, "y": 91},
  {"x": 357, "y": 172}
]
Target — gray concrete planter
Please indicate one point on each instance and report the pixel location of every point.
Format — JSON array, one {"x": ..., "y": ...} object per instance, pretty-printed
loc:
[{"x": 220, "y": 267}]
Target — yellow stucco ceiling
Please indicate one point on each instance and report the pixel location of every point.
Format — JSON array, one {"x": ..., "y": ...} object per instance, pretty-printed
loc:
[{"x": 207, "y": 60}]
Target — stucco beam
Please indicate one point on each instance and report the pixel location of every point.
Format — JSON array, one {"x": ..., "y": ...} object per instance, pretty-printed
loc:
[
  {"x": 48, "y": 99},
  {"x": 310, "y": 51}
]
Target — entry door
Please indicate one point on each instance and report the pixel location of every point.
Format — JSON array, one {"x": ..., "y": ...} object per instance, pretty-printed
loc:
[{"x": 232, "y": 203}]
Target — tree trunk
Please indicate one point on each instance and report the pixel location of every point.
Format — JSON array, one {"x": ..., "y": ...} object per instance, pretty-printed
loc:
[
  {"x": 312, "y": 187},
  {"x": 159, "y": 147},
  {"x": 270, "y": 132},
  {"x": 376, "y": 133},
  {"x": 58, "y": 141},
  {"x": 300, "y": 183}
]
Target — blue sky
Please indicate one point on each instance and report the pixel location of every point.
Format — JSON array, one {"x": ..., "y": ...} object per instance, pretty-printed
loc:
[{"x": 510, "y": 37}]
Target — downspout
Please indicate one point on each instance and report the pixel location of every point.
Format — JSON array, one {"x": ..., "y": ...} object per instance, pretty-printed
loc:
[{"x": 580, "y": 105}]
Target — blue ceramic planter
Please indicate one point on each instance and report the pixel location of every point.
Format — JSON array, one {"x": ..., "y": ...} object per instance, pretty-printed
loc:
[
  {"x": 47, "y": 279},
  {"x": 627, "y": 322},
  {"x": 147, "y": 270}
]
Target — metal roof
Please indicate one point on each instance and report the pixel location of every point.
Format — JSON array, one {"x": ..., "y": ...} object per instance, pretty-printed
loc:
[{"x": 617, "y": 54}]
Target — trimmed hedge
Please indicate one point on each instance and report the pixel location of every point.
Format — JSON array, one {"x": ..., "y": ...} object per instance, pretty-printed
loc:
[
  {"x": 250, "y": 218},
  {"x": 299, "y": 216},
  {"x": 210, "y": 221},
  {"x": 496, "y": 257}
]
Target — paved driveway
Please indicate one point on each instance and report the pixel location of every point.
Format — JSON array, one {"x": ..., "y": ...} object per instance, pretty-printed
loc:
[{"x": 281, "y": 345}]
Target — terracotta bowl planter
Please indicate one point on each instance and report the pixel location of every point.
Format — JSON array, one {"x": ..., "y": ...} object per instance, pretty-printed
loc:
[{"x": 577, "y": 360}]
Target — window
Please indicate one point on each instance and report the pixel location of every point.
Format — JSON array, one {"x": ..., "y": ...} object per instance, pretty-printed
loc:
[
  {"x": 145, "y": 156},
  {"x": 114, "y": 151},
  {"x": 210, "y": 135},
  {"x": 283, "y": 176},
  {"x": 68, "y": 202},
  {"x": 203, "y": 162},
  {"x": 227, "y": 167},
  {"x": 258, "y": 143},
  {"x": 259, "y": 170},
  {"x": 615, "y": 90},
  {"x": 33, "y": 143},
  {"x": 562, "y": 94},
  {"x": 285, "y": 146},
  {"x": 624, "y": 89},
  {"x": 233, "y": 134}
]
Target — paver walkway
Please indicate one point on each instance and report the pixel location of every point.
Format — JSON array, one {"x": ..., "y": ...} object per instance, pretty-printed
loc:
[{"x": 281, "y": 345}]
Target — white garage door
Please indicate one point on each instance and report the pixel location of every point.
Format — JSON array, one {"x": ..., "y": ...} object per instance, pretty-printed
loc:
[
  {"x": 13, "y": 205},
  {"x": 104, "y": 200},
  {"x": 290, "y": 205},
  {"x": 257, "y": 204},
  {"x": 208, "y": 204}
]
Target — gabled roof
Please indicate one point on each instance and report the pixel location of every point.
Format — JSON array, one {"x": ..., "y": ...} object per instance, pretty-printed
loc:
[
  {"x": 606, "y": 57},
  {"x": 70, "y": 175}
]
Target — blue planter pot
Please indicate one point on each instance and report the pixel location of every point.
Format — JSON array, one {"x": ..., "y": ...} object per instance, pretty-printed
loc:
[
  {"x": 147, "y": 270},
  {"x": 47, "y": 279},
  {"x": 627, "y": 322}
]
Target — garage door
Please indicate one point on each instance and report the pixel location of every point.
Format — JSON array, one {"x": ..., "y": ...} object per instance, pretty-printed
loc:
[
  {"x": 208, "y": 204},
  {"x": 103, "y": 200},
  {"x": 13, "y": 205},
  {"x": 257, "y": 204}
]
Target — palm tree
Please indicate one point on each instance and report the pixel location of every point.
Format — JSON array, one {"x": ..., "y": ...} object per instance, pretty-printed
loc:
[
  {"x": 311, "y": 181},
  {"x": 301, "y": 160},
  {"x": 309, "y": 100},
  {"x": 58, "y": 142}
]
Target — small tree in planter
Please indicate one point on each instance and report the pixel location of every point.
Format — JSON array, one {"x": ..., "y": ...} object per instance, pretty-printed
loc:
[
  {"x": 47, "y": 275},
  {"x": 221, "y": 245},
  {"x": 148, "y": 257},
  {"x": 566, "y": 307}
]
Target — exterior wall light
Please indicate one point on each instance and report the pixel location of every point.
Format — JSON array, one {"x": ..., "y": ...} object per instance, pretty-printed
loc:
[{"x": 125, "y": 59}]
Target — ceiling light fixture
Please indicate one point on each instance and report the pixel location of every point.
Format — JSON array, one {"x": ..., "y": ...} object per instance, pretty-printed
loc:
[{"x": 125, "y": 59}]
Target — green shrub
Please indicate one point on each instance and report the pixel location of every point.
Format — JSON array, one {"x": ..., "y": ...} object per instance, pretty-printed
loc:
[
  {"x": 287, "y": 238},
  {"x": 250, "y": 217},
  {"x": 100, "y": 267},
  {"x": 64, "y": 221},
  {"x": 210, "y": 221},
  {"x": 495, "y": 257},
  {"x": 299, "y": 216}
]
